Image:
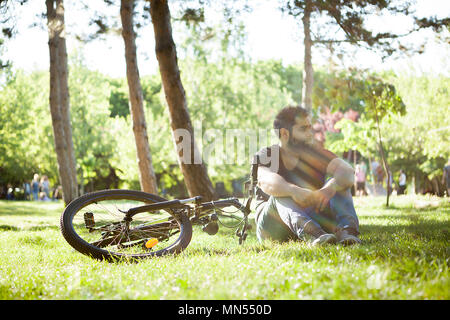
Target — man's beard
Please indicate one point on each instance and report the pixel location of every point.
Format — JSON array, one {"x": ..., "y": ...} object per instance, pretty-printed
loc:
[{"x": 296, "y": 145}]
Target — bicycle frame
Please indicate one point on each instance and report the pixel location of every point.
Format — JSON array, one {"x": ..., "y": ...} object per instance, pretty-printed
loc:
[
  {"x": 177, "y": 203},
  {"x": 200, "y": 210}
]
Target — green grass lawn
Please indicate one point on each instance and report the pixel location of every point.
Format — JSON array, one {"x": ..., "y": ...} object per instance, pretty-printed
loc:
[{"x": 404, "y": 255}]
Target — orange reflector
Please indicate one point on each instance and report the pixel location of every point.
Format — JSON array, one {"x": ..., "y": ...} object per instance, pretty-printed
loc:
[{"x": 151, "y": 243}]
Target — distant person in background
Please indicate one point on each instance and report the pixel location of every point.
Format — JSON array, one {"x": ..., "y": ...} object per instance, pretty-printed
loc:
[
  {"x": 363, "y": 167},
  {"x": 57, "y": 193},
  {"x": 45, "y": 185},
  {"x": 380, "y": 175},
  {"x": 446, "y": 177},
  {"x": 360, "y": 177},
  {"x": 10, "y": 192},
  {"x": 35, "y": 187},
  {"x": 377, "y": 172},
  {"x": 43, "y": 197},
  {"x": 401, "y": 183},
  {"x": 27, "y": 190}
]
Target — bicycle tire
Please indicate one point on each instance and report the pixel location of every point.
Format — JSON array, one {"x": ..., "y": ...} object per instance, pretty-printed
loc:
[{"x": 76, "y": 235}]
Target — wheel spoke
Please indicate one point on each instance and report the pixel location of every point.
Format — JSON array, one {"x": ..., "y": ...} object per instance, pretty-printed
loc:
[{"x": 99, "y": 221}]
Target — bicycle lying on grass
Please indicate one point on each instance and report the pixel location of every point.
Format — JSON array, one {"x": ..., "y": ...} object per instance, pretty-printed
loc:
[{"x": 117, "y": 224}]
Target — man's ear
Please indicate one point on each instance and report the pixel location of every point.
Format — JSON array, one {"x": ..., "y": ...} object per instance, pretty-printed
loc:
[{"x": 284, "y": 134}]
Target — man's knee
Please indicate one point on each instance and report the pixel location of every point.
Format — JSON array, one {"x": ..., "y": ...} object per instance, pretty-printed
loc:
[
  {"x": 286, "y": 203},
  {"x": 345, "y": 193}
]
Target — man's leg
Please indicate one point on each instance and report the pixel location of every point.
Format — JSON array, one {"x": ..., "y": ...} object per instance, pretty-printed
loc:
[
  {"x": 347, "y": 228},
  {"x": 344, "y": 210},
  {"x": 269, "y": 225},
  {"x": 340, "y": 218},
  {"x": 292, "y": 222}
]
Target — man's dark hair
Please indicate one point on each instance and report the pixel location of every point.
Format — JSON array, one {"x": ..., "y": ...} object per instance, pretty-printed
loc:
[{"x": 286, "y": 117}]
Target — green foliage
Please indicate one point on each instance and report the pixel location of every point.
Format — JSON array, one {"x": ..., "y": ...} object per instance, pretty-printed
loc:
[
  {"x": 151, "y": 90},
  {"x": 225, "y": 91},
  {"x": 371, "y": 96},
  {"x": 118, "y": 100},
  {"x": 124, "y": 159},
  {"x": 338, "y": 91},
  {"x": 413, "y": 114},
  {"x": 222, "y": 95},
  {"x": 419, "y": 141},
  {"x": 382, "y": 100},
  {"x": 93, "y": 142},
  {"x": 230, "y": 95},
  {"x": 353, "y": 136},
  {"x": 26, "y": 143}
]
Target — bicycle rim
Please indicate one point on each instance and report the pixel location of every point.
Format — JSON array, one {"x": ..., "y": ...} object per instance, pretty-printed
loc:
[{"x": 94, "y": 225}]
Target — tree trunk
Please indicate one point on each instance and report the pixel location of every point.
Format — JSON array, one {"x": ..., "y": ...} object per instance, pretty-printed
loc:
[
  {"x": 308, "y": 73},
  {"x": 385, "y": 164},
  {"x": 372, "y": 176},
  {"x": 147, "y": 176},
  {"x": 65, "y": 98},
  {"x": 436, "y": 188},
  {"x": 193, "y": 168},
  {"x": 58, "y": 124}
]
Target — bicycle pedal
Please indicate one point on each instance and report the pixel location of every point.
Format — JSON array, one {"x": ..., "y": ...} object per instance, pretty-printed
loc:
[{"x": 89, "y": 220}]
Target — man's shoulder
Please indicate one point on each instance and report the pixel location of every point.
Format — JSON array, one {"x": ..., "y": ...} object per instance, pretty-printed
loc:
[
  {"x": 321, "y": 151},
  {"x": 268, "y": 151},
  {"x": 268, "y": 157}
]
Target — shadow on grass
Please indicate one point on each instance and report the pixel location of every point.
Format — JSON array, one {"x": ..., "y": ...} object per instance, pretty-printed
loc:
[
  {"x": 5, "y": 227},
  {"x": 400, "y": 218},
  {"x": 210, "y": 251},
  {"x": 30, "y": 209},
  {"x": 418, "y": 229},
  {"x": 414, "y": 205},
  {"x": 41, "y": 228},
  {"x": 224, "y": 252}
]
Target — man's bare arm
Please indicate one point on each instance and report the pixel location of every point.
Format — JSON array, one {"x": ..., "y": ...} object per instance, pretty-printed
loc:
[
  {"x": 343, "y": 175},
  {"x": 343, "y": 178},
  {"x": 275, "y": 185}
]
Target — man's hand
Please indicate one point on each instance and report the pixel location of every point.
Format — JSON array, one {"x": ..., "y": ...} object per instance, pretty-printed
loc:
[
  {"x": 321, "y": 198},
  {"x": 318, "y": 199},
  {"x": 303, "y": 198},
  {"x": 342, "y": 173}
]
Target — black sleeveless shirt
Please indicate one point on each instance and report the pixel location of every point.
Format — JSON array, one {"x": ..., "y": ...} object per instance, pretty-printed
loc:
[{"x": 310, "y": 171}]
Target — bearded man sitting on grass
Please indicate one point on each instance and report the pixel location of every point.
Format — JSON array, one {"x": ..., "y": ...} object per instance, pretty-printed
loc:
[{"x": 301, "y": 202}]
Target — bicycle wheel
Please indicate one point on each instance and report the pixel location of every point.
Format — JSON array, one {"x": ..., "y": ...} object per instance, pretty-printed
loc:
[{"x": 94, "y": 225}]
